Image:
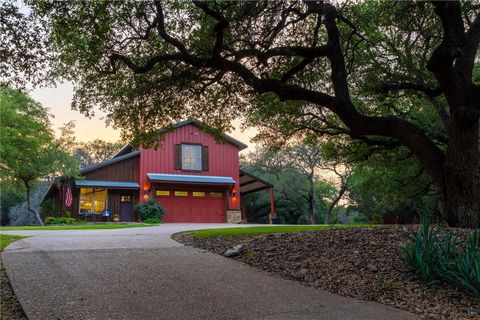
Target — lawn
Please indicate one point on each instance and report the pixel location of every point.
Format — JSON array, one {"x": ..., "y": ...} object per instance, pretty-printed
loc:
[
  {"x": 6, "y": 239},
  {"x": 230, "y": 232},
  {"x": 76, "y": 227}
]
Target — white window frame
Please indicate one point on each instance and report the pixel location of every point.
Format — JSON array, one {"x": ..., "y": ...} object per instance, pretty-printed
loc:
[{"x": 189, "y": 165}]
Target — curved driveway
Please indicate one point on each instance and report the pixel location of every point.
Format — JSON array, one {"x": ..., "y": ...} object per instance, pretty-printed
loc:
[{"x": 140, "y": 273}]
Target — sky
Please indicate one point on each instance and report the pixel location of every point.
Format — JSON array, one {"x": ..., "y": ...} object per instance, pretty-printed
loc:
[{"x": 59, "y": 100}]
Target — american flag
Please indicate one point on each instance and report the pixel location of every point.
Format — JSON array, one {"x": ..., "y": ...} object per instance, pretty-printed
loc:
[{"x": 68, "y": 196}]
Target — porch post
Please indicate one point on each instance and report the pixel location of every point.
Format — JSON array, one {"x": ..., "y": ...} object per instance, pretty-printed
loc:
[
  {"x": 243, "y": 208},
  {"x": 272, "y": 206}
]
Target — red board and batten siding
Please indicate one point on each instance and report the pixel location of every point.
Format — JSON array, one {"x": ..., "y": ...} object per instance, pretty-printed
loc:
[{"x": 223, "y": 158}]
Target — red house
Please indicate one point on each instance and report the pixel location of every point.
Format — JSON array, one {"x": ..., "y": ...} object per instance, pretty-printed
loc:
[{"x": 193, "y": 176}]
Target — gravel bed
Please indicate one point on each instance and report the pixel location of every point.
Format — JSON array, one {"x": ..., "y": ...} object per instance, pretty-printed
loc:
[
  {"x": 363, "y": 263},
  {"x": 10, "y": 308}
]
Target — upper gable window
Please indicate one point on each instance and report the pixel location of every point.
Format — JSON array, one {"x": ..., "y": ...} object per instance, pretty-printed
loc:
[{"x": 191, "y": 157}]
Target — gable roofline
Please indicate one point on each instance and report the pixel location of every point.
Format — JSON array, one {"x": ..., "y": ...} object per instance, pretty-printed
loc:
[
  {"x": 109, "y": 162},
  {"x": 183, "y": 123},
  {"x": 201, "y": 124},
  {"x": 123, "y": 150}
]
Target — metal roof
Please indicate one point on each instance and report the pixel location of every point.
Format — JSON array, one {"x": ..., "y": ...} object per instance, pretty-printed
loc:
[
  {"x": 107, "y": 184},
  {"x": 109, "y": 162},
  {"x": 250, "y": 183},
  {"x": 187, "y": 178}
]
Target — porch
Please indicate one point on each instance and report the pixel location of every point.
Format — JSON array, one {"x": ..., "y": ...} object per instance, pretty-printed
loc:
[
  {"x": 106, "y": 201},
  {"x": 249, "y": 184}
]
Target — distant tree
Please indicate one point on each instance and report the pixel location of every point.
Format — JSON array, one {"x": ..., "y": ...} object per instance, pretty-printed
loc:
[
  {"x": 86, "y": 153},
  {"x": 299, "y": 195},
  {"x": 28, "y": 150},
  {"x": 96, "y": 151},
  {"x": 343, "y": 174}
]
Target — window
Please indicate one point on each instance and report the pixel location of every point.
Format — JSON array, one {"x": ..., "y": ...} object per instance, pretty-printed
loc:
[
  {"x": 92, "y": 200},
  {"x": 162, "y": 193},
  {"x": 181, "y": 193},
  {"x": 125, "y": 199},
  {"x": 216, "y": 194},
  {"x": 191, "y": 157},
  {"x": 198, "y": 194}
]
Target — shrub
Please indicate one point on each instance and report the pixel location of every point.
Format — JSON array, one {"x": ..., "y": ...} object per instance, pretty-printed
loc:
[
  {"x": 464, "y": 272},
  {"x": 428, "y": 252},
  {"x": 435, "y": 257},
  {"x": 152, "y": 220},
  {"x": 150, "y": 209},
  {"x": 59, "y": 220}
]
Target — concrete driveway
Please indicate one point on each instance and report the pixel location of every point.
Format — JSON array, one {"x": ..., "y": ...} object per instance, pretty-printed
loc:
[{"x": 140, "y": 273}]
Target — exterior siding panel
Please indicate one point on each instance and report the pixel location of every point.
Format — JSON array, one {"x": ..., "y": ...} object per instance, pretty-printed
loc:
[
  {"x": 223, "y": 157},
  {"x": 126, "y": 170}
]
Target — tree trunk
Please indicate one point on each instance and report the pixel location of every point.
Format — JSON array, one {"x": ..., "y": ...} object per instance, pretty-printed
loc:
[
  {"x": 29, "y": 205},
  {"x": 334, "y": 203},
  {"x": 311, "y": 201},
  {"x": 461, "y": 189}
]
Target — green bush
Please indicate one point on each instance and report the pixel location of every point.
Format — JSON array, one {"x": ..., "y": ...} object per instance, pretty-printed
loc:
[
  {"x": 59, "y": 220},
  {"x": 152, "y": 220},
  {"x": 435, "y": 257},
  {"x": 428, "y": 252},
  {"x": 464, "y": 272},
  {"x": 150, "y": 209}
]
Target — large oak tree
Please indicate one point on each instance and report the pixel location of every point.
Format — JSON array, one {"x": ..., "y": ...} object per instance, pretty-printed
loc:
[{"x": 357, "y": 69}]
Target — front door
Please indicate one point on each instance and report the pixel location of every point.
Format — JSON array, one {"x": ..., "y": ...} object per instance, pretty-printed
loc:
[{"x": 126, "y": 207}]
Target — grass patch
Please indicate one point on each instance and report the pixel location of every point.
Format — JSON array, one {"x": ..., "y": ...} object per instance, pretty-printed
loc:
[
  {"x": 6, "y": 239},
  {"x": 232, "y": 232},
  {"x": 76, "y": 227}
]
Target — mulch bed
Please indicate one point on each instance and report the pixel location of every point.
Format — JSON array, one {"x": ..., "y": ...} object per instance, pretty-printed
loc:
[
  {"x": 363, "y": 263},
  {"x": 10, "y": 308}
]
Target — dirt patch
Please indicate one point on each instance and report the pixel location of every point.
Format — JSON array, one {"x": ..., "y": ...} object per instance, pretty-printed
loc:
[
  {"x": 363, "y": 263},
  {"x": 10, "y": 308}
]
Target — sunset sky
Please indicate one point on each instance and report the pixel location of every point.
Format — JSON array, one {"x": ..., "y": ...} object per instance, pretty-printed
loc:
[{"x": 59, "y": 99}]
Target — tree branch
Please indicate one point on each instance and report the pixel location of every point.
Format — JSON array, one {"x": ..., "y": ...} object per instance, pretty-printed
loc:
[{"x": 388, "y": 87}]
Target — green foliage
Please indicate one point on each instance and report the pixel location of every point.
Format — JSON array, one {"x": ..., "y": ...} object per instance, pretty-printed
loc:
[
  {"x": 28, "y": 150},
  {"x": 392, "y": 183},
  {"x": 434, "y": 257},
  {"x": 50, "y": 208},
  {"x": 464, "y": 272},
  {"x": 150, "y": 209},
  {"x": 6, "y": 239},
  {"x": 59, "y": 220},
  {"x": 78, "y": 226},
  {"x": 152, "y": 221},
  {"x": 11, "y": 194},
  {"x": 428, "y": 252},
  {"x": 86, "y": 153},
  {"x": 241, "y": 231}
]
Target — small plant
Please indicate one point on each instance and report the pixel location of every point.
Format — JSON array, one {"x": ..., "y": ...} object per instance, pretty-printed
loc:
[
  {"x": 150, "y": 209},
  {"x": 435, "y": 257},
  {"x": 250, "y": 254},
  {"x": 464, "y": 272},
  {"x": 429, "y": 251},
  {"x": 59, "y": 220},
  {"x": 152, "y": 221}
]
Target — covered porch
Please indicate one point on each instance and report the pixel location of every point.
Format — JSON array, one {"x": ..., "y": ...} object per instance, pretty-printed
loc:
[
  {"x": 249, "y": 184},
  {"x": 105, "y": 201}
]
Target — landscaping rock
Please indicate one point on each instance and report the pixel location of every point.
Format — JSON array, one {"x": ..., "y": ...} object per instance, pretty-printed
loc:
[
  {"x": 231, "y": 252},
  {"x": 372, "y": 267},
  {"x": 301, "y": 274}
]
